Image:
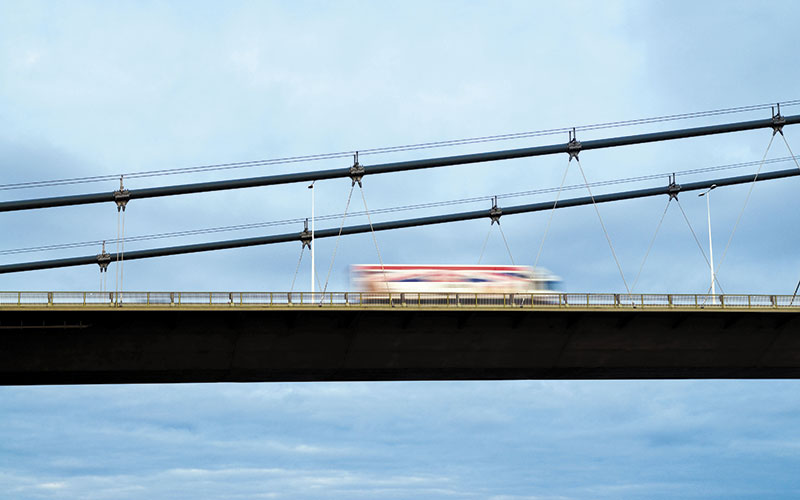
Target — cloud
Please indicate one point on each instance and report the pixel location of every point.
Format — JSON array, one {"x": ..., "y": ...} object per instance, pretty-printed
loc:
[{"x": 93, "y": 88}]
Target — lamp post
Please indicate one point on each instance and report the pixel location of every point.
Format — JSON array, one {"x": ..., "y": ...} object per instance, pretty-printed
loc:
[
  {"x": 707, "y": 194},
  {"x": 313, "y": 288}
]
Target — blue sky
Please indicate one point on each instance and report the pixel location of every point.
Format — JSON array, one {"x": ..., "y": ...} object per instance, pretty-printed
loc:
[{"x": 90, "y": 88}]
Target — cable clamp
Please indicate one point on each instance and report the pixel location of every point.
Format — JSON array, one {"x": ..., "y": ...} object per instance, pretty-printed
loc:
[
  {"x": 573, "y": 146},
  {"x": 674, "y": 188},
  {"x": 121, "y": 196},
  {"x": 103, "y": 259},
  {"x": 305, "y": 237},
  {"x": 495, "y": 213},
  {"x": 356, "y": 171},
  {"x": 778, "y": 121}
]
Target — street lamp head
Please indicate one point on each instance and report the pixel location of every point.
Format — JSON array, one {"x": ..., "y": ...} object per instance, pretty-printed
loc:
[{"x": 707, "y": 190}]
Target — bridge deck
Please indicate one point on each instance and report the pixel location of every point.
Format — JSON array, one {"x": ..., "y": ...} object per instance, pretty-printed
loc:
[{"x": 47, "y": 341}]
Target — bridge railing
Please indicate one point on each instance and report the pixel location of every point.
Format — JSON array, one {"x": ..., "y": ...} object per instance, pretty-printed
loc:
[{"x": 408, "y": 300}]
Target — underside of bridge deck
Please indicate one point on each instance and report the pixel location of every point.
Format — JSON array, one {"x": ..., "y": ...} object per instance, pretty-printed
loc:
[{"x": 117, "y": 345}]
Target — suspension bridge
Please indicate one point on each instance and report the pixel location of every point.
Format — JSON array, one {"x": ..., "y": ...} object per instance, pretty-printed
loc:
[{"x": 139, "y": 337}]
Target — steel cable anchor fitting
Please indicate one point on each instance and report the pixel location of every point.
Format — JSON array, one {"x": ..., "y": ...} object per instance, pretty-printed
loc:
[
  {"x": 574, "y": 145},
  {"x": 674, "y": 188},
  {"x": 103, "y": 259},
  {"x": 778, "y": 121},
  {"x": 121, "y": 196},
  {"x": 305, "y": 236},
  {"x": 356, "y": 171},
  {"x": 495, "y": 213}
]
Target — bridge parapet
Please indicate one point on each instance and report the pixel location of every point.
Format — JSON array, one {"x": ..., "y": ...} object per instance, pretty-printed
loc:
[{"x": 356, "y": 300}]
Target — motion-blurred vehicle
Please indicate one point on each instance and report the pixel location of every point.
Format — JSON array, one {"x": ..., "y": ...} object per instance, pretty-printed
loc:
[{"x": 465, "y": 283}]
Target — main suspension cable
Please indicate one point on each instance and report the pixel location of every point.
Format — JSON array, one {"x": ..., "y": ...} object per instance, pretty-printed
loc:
[
  {"x": 389, "y": 149},
  {"x": 419, "y": 206},
  {"x": 396, "y": 224}
]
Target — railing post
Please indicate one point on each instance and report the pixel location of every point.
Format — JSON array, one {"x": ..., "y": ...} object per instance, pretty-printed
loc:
[
  {"x": 148, "y": 298},
  {"x": 19, "y": 298},
  {"x": 722, "y": 301},
  {"x": 669, "y": 300}
]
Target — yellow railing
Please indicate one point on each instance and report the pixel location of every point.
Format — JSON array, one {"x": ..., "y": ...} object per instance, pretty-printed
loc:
[{"x": 156, "y": 300}]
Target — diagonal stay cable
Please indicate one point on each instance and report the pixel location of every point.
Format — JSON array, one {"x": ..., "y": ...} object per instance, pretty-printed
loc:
[
  {"x": 338, "y": 237},
  {"x": 374, "y": 238},
  {"x": 316, "y": 275},
  {"x": 297, "y": 269},
  {"x": 744, "y": 206},
  {"x": 506, "y": 242},
  {"x": 790, "y": 149},
  {"x": 798, "y": 166},
  {"x": 552, "y": 212},
  {"x": 699, "y": 246},
  {"x": 650, "y": 247},
  {"x": 608, "y": 238},
  {"x": 485, "y": 241}
]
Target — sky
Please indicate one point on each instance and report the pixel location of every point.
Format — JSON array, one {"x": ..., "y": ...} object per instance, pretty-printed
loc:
[{"x": 98, "y": 88}]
